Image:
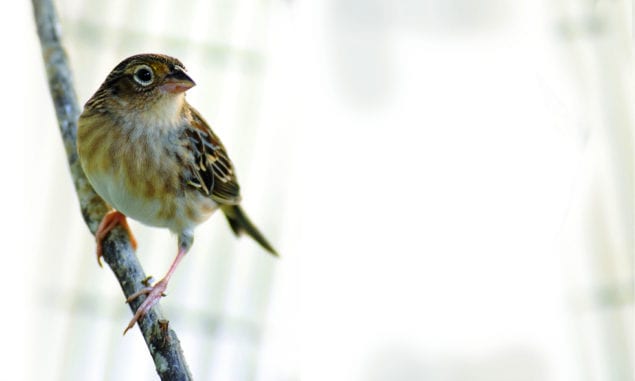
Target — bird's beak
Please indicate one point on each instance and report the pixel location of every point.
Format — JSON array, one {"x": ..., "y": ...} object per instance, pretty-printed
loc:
[{"x": 177, "y": 82}]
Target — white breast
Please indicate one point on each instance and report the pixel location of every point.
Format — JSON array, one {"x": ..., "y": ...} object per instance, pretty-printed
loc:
[{"x": 113, "y": 190}]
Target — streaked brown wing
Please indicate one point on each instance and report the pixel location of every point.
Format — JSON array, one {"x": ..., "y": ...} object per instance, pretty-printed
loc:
[{"x": 212, "y": 173}]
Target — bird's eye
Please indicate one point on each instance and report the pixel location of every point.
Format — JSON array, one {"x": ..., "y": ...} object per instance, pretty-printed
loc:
[{"x": 143, "y": 75}]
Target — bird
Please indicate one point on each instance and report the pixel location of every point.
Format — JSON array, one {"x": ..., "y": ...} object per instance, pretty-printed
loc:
[{"x": 152, "y": 157}]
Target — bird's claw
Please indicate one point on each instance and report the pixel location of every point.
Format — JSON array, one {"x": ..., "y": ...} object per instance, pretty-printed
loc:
[{"x": 154, "y": 293}]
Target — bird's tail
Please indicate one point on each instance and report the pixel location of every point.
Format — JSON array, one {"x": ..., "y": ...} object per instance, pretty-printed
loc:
[{"x": 240, "y": 223}]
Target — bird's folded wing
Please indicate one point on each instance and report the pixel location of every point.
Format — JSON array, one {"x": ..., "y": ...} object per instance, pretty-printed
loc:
[{"x": 212, "y": 173}]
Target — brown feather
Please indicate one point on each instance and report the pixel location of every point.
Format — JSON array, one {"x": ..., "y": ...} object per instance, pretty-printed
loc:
[{"x": 212, "y": 173}]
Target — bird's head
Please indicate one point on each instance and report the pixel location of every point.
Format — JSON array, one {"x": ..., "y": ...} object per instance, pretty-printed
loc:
[{"x": 145, "y": 83}]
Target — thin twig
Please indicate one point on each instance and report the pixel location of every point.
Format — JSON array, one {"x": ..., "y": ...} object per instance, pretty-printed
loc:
[{"x": 118, "y": 253}]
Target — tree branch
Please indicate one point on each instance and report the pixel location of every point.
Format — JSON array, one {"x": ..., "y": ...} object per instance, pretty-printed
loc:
[{"x": 162, "y": 342}]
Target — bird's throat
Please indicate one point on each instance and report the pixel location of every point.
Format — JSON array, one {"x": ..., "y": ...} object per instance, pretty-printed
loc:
[{"x": 166, "y": 112}]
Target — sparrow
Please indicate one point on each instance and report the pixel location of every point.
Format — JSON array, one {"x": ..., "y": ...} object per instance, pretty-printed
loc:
[{"x": 152, "y": 157}]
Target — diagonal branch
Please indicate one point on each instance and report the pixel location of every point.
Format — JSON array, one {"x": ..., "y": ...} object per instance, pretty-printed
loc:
[{"x": 161, "y": 341}]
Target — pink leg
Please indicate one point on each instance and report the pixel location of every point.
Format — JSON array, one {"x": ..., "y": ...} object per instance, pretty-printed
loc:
[
  {"x": 109, "y": 222},
  {"x": 155, "y": 292}
]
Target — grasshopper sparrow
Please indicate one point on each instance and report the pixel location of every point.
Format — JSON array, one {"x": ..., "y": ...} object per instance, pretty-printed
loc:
[{"x": 152, "y": 157}]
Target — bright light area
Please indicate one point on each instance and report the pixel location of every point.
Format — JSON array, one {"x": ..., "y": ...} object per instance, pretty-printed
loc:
[{"x": 438, "y": 166}]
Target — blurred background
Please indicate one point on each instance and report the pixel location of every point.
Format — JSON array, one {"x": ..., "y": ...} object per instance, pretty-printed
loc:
[{"x": 450, "y": 186}]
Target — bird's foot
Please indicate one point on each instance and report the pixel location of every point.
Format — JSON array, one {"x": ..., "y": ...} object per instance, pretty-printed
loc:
[
  {"x": 109, "y": 222},
  {"x": 154, "y": 293}
]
